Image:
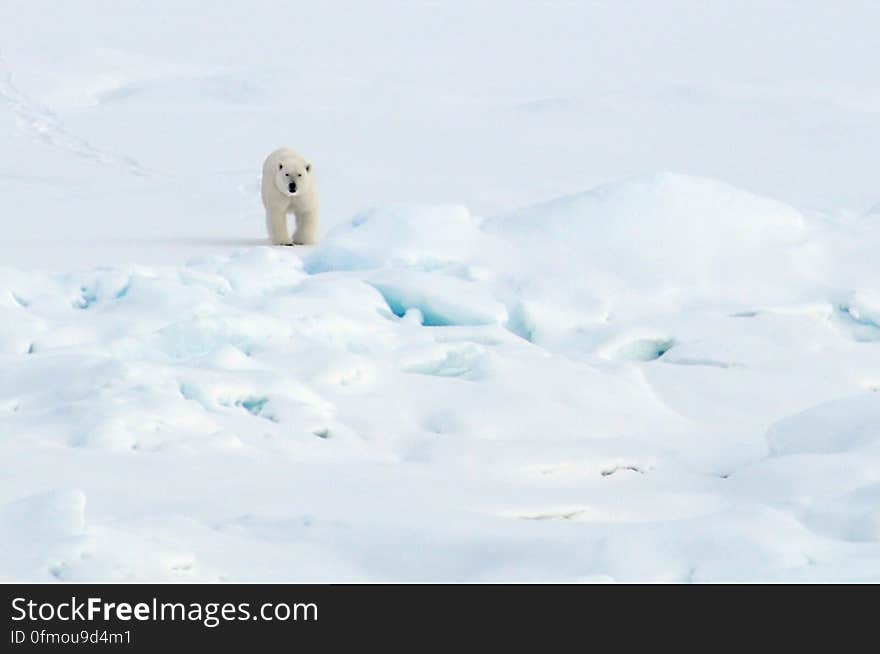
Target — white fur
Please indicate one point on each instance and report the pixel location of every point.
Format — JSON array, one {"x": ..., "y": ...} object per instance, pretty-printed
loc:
[{"x": 280, "y": 168}]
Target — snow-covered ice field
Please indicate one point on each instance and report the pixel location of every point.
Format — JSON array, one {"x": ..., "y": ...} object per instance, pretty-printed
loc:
[{"x": 522, "y": 350}]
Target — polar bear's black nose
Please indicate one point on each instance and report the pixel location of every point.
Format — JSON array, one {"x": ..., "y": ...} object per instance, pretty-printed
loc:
[{"x": 292, "y": 187}]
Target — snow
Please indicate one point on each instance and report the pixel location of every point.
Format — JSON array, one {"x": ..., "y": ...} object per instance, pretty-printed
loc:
[
  {"x": 840, "y": 425},
  {"x": 519, "y": 352}
]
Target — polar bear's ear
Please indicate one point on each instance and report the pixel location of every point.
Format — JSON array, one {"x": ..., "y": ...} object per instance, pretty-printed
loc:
[{"x": 308, "y": 167}]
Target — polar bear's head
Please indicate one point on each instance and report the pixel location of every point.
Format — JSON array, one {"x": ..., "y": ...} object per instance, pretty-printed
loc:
[{"x": 293, "y": 176}]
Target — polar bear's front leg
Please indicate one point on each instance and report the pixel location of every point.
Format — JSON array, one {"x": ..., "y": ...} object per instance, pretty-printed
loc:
[
  {"x": 306, "y": 232},
  {"x": 276, "y": 223}
]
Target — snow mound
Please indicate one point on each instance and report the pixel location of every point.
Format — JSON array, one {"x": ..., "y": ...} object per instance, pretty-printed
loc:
[
  {"x": 838, "y": 426},
  {"x": 665, "y": 230},
  {"x": 38, "y": 529},
  {"x": 56, "y": 514},
  {"x": 433, "y": 238},
  {"x": 859, "y": 315}
]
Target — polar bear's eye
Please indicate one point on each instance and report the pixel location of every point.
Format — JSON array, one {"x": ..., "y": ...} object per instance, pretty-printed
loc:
[
  {"x": 280, "y": 166},
  {"x": 308, "y": 168}
]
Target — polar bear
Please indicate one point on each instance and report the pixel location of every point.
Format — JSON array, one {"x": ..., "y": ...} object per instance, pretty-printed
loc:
[{"x": 288, "y": 187}]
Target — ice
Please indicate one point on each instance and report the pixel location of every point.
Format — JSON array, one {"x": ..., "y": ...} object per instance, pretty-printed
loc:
[{"x": 440, "y": 300}]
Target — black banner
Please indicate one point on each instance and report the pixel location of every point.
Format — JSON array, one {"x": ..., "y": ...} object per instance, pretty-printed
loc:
[{"x": 153, "y": 618}]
